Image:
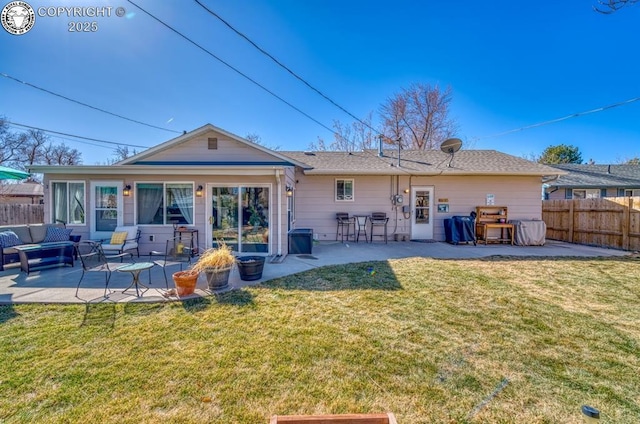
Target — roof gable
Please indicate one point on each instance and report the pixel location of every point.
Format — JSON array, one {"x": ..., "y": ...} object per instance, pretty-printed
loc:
[{"x": 208, "y": 145}]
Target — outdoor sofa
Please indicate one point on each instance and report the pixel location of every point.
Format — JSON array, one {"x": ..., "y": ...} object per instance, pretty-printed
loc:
[{"x": 12, "y": 236}]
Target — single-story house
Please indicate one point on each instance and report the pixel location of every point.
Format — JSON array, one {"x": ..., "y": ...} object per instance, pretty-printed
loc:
[
  {"x": 583, "y": 181},
  {"x": 22, "y": 193},
  {"x": 228, "y": 188}
]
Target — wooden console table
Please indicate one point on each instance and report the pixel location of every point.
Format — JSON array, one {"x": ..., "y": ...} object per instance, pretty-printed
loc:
[{"x": 504, "y": 238}]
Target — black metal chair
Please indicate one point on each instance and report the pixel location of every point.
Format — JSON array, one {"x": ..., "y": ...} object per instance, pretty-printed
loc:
[
  {"x": 175, "y": 253},
  {"x": 379, "y": 219},
  {"x": 93, "y": 259},
  {"x": 344, "y": 222}
]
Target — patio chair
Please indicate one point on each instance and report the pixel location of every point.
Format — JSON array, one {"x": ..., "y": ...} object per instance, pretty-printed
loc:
[
  {"x": 344, "y": 221},
  {"x": 175, "y": 253},
  {"x": 93, "y": 259},
  {"x": 123, "y": 238},
  {"x": 379, "y": 219}
]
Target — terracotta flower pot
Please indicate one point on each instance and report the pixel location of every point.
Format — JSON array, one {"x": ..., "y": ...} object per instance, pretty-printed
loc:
[{"x": 185, "y": 282}]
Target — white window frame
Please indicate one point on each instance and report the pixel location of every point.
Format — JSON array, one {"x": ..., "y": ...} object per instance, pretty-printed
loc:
[
  {"x": 164, "y": 204},
  {"x": 84, "y": 203},
  {"x": 628, "y": 192},
  {"x": 589, "y": 193},
  {"x": 353, "y": 189}
]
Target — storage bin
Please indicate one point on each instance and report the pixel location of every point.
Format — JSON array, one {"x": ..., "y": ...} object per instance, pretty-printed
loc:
[{"x": 301, "y": 241}]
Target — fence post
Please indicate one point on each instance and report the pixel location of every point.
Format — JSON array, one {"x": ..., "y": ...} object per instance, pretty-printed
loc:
[
  {"x": 570, "y": 230},
  {"x": 626, "y": 222}
]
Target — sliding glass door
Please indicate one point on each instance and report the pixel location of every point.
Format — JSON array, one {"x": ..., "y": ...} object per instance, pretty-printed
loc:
[{"x": 239, "y": 217}]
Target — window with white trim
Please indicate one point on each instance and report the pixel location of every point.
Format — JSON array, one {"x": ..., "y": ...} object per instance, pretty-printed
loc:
[
  {"x": 631, "y": 193},
  {"x": 68, "y": 202},
  {"x": 589, "y": 193},
  {"x": 344, "y": 190},
  {"x": 164, "y": 203}
]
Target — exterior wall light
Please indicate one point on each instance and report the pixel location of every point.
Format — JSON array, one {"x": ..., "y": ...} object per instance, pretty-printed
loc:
[
  {"x": 289, "y": 191},
  {"x": 127, "y": 190},
  {"x": 199, "y": 191}
]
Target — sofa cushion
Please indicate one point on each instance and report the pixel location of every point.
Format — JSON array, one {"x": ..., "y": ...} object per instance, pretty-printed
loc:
[
  {"x": 38, "y": 233},
  {"x": 22, "y": 231},
  {"x": 9, "y": 238},
  {"x": 56, "y": 234}
]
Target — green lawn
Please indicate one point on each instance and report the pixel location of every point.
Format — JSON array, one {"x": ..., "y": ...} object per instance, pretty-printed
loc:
[{"x": 434, "y": 341}]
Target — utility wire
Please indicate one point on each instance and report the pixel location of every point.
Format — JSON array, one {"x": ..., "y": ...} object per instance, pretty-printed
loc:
[
  {"x": 564, "y": 118},
  {"x": 232, "y": 67},
  {"x": 75, "y": 136},
  {"x": 283, "y": 66},
  {"x": 87, "y": 105}
]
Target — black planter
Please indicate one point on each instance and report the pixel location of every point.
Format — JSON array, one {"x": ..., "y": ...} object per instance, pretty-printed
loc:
[{"x": 250, "y": 267}]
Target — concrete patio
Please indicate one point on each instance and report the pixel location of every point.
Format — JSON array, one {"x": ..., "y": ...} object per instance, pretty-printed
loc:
[{"x": 58, "y": 285}]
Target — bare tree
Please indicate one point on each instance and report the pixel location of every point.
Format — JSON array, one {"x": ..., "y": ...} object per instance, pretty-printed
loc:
[
  {"x": 610, "y": 6},
  {"x": 257, "y": 139},
  {"x": 12, "y": 146},
  {"x": 418, "y": 116},
  {"x": 349, "y": 138},
  {"x": 61, "y": 154},
  {"x": 19, "y": 150}
]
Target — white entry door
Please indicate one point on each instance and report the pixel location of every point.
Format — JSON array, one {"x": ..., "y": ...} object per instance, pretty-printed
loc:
[
  {"x": 106, "y": 208},
  {"x": 422, "y": 213}
]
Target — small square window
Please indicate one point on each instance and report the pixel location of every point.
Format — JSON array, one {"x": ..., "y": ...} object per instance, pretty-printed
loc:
[{"x": 344, "y": 190}]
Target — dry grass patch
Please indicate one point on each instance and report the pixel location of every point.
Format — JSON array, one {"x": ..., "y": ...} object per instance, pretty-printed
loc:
[{"x": 435, "y": 341}]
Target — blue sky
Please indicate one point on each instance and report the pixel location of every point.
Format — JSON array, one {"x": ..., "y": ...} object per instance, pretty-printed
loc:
[{"x": 509, "y": 63}]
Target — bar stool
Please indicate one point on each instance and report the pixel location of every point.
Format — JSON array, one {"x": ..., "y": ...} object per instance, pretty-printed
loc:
[
  {"x": 344, "y": 222},
  {"x": 379, "y": 219},
  {"x": 361, "y": 222}
]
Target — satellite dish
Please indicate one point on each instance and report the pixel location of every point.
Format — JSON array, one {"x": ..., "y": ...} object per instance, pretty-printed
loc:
[{"x": 451, "y": 145}]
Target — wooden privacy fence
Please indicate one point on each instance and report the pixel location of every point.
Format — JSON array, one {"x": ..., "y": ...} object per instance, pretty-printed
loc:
[
  {"x": 15, "y": 214},
  {"x": 608, "y": 222}
]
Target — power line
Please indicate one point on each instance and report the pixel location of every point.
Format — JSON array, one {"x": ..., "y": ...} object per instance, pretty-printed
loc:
[
  {"x": 232, "y": 68},
  {"x": 75, "y": 136},
  {"x": 564, "y": 118},
  {"x": 283, "y": 66},
  {"x": 87, "y": 105}
]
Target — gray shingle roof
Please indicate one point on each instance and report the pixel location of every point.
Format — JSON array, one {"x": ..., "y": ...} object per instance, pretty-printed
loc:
[
  {"x": 22, "y": 189},
  {"x": 419, "y": 162},
  {"x": 598, "y": 176}
]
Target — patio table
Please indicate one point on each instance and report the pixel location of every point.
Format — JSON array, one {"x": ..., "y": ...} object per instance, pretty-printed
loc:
[{"x": 135, "y": 270}]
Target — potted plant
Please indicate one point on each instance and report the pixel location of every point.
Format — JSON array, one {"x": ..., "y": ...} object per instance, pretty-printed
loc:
[
  {"x": 216, "y": 263},
  {"x": 185, "y": 281},
  {"x": 250, "y": 267}
]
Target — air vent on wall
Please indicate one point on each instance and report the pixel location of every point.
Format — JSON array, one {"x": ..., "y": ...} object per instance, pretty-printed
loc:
[{"x": 213, "y": 143}]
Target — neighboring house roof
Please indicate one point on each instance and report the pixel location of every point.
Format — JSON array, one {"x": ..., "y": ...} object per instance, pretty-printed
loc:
[
  {"x": 419, "y": 162},
  {"x": 22, "y": 190},
  {"x": 598, "y": 176}
]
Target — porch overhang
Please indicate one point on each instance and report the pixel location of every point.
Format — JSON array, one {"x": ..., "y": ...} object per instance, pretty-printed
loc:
[{"x": 126, "y": 170}]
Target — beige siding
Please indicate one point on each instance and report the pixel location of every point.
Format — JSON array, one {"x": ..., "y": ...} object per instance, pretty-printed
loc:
[
  {"x": 316, "y": 206},
  {"x": 163, "y": 232},
  {"x": 197, "y": 150}
]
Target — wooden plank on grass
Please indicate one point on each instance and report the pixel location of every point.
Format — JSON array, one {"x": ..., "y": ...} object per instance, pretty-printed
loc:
[{"x": 387, "y": 418}]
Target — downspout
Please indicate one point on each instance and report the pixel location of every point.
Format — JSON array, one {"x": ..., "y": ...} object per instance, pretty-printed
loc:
[{"x": 279, "y": 185}]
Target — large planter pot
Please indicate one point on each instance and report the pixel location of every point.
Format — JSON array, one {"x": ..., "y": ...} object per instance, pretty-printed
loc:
[
  {"x": 185, "y": 282},
  {"x": 218, "y": 279},
  {"x": 250, "y": 267}
]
